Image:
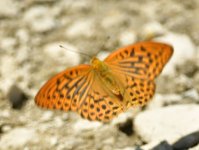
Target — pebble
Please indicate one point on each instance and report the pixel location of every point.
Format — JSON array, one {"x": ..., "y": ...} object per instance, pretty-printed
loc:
[
  {"x": 17, "y": 138},
  {"x": 84, "y": 125},
  {"x": 168, "y": 123},
  {"x": 195, "y": 148},
  {"x": 127, "y": 38},
  {"x": 9, "y": 8},
  {"x": 8, "y": 44},
  {"x": 79, "y": 28},
  {"x": 124, "y": 117},
  {"x": 159, "y": 100},
  {"x": 193, "y": 94},
  {"x": 47, "y": 116},
  {"x": 17, "y": 97},
  {"x": 126, "y": 127},
  {"x": 127, "y": 148},
  {"x": 39, "y": 19},
  {"x": 151, "y": 30},
  {"x": 114, "y": 18},
  {"x": 184, "y": 50},
  {"x": 102, "y": 55},
  {"x": 187, "y": 141}
]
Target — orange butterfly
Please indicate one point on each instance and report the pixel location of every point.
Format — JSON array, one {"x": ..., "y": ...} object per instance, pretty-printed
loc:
[{"x": 103, "y": 89}]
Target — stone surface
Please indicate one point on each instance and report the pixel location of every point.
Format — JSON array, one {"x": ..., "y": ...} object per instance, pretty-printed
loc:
[
  {"x": 169, "y": 123},
  {"x": 9, "y": 8},
  {"x": 151, "y": 30},
  {"x": 83, "y": 125},
  {"x": 18, "y": 138},
  {"x": 30, "y": 34},
  {"x": 127, "y": 38},
  {"x": 62, "y": 55},
  {"x": 80, "y": 28},
  {"x": 39, "y": 19}
]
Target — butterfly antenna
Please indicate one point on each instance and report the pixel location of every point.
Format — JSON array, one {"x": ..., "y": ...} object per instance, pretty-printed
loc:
[{"x": 75, "y": 51}]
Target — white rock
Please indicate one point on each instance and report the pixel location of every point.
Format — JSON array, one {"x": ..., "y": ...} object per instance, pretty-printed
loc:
[
  {"x": 9, "y": 8},
  {"x": 39, "y": 19},
  {"x": 47, "y": 115},
  {"x": 192, "y": 94},
  {"x": 84, "y": 125},
  {"x": 151, "y": 30},
  {"x": 127, "y": 37},
  {"x": 22, "y": 35},
  {"x": 53, "y": 140},
  {"x": 127, "y": 148},
  {"x": 7, "y": 44},
  {"x": 58, "y": 121},
  {"x": 184, "y": 49},
  {"x": 8, "y": 64},
  {"x": 195, "y": 148},
  {"x": 62, "y": 56},
  {"x": 160, "y": 99},
  {"x": 112, "y": 19},
  {"x": 169, "y": 123},
  {"x": 102, "y": 55},
  {"x": 123, "y": 117},
  {"x": 17, "y": 138},
  {"x": 80, "y": 28}
]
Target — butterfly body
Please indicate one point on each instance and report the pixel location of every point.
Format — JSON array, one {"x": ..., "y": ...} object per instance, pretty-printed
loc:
[
  {"x": 104, "y": 74},
  {"x": 103, "y": 89}
]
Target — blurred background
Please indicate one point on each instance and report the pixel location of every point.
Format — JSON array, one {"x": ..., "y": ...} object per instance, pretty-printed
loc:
[{"x": 30, "y": 34}]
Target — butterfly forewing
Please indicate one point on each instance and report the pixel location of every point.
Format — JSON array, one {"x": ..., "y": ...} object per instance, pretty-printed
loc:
[
  {"x": 62, "y": 91},
  {"x": 142, "y": 60}
]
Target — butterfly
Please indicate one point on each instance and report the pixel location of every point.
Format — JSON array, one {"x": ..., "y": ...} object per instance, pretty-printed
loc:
[{"x": 102, "y": 90}]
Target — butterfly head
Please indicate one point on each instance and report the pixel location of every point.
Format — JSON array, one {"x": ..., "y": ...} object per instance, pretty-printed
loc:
[{"x": 98, "y": 64}]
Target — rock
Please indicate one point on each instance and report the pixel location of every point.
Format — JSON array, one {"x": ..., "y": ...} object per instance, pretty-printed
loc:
[
  {"x": 113, "y": 19},
  {"x": 163, "y": 146},
  {"x": 193, "y": 94},
  {"x": 169, "y": 123},
  {"x": 79, "y": 28},
  {"x": 123, "y": 117},
  {"x": 195, "y": 148},
  {"x": 126, "y": 127},
  {"x": 9, "y": 8},
  {"x": 184, "y": 50},
  {"x": 53, "y": 141},
  {"x": 102, "y": 55},
  {"x": 84, "y": 125},
  {"x": 128, "y": 148},
  {"x": 39, "y": 19},
  {"x": 152, "y": 30},
  {"x": 47, "y": 116},
  {"x": 23, "y": 36},
  {"x": 159, "y": 100},
  {"x": 8, "y": 44},
  {"x": 17, "y": 97},
  {"x": 66, "y": 56},
  {"x": 18, "y": 138},
  {"x": 127, "y": 38},
  {"x": 187, "y": 141}
]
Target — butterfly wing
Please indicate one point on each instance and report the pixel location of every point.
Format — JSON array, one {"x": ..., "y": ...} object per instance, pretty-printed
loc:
[
  {"x": 136, "y": 66},
  {"x": 79, "y": 89},
  {"x": 142, "y": 60}
]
